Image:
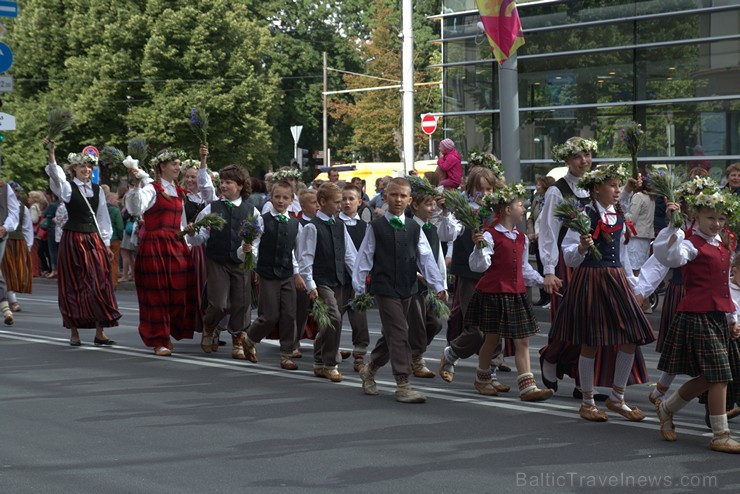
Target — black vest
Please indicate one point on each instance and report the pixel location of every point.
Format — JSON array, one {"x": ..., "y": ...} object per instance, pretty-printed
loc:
[
  {"x": 567, "y": 193},
  {"x": 433, "y": 239},
  {"x": 304, "y": 221},
  {"x": 328, "y": 263},
  {"x": 18, "y": 233},
  {"x": 192, "y": 209},
  {"x": 222, "y": 245},
  {"x": 275, "y": 261},
  {"x": 609, "y": 250},
  {"x": 394, "y": 262},
  {"x": 357, "y": 232},
  {"x": 80, "y": 217},
  {"x": 461, "y": 250}
]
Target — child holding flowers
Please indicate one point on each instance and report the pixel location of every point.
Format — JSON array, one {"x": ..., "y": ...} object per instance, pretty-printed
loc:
[
  {"x": 229, "y": 288},
  {"x": 698, "y": 343},
  {"x": 599, "y": 309},
  {"x": 500, "y": 307},
  {"x": 327, "y": 257}
]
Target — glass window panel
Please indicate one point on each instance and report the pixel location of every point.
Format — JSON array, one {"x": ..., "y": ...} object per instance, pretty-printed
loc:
[{"x": 470, "y": 87}]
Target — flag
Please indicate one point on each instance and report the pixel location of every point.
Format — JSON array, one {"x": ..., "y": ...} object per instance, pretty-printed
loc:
[{"x": 502, "y": 25}]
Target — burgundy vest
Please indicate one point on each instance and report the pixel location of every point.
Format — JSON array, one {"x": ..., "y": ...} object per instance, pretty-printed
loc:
[
  {"x": 706, "y": 279},
  {"x": 505, "y": 273}
]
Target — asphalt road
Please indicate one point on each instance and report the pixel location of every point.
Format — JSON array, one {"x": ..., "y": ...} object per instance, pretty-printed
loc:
[{"x": 120, "y": 420}]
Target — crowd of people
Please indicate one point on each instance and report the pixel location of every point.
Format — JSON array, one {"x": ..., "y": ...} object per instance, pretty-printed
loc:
[{"x": 308, "y": 254}]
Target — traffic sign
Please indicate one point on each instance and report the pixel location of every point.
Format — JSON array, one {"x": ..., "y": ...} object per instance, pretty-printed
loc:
[
  {"x": 6, "y": 57},
  {"x": 92, "y": 150},
  {"x": 8, "y": 9},
  {"x": 6, "y": 84},
  {"x": 7, "y": 121},
  {"x": 428, "y": 123}
]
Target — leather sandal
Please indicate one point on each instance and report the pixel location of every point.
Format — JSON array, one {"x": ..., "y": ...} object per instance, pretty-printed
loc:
[
  {"x": 667, "y": 429},
  {"x": 633, "y": 415},
  {"x": 592, "y": 413},
  {"x": 724, "y": 443}
]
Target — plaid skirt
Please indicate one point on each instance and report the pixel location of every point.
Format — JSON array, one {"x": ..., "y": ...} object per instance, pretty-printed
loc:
[
  {"x": 16, "y": 266},
  {"x": 673, "y": 295},
  {"x": 733, "y": 387},
  {"x": 507, "y": 314},
  {"x": 699, "y": 344},
  {"x": 599, "y": 309}
]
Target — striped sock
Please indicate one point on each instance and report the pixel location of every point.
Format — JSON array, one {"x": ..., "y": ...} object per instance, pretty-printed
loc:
[
  {"x": 586, "y": 373},
  {"x": 526, "y": 383}
]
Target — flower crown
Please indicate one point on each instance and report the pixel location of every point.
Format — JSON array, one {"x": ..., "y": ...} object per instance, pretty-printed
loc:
[
  {"x": 285, "y": 174},
  {"x": 81, "y": 158},
  {"x": 420, "y": 187},
  {"x": 697, "y": 184},
  {"x": 189, "y": 164},
  {"x": 486, "y": 160},
  {"x": 572, "y": 147},
  {"x": 503, "y": 196},
  {"x": 167, "y": 155},
  {"x": 604, "y": 173}
]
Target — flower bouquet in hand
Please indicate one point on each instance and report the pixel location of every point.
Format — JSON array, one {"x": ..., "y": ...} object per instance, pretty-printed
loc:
[
  {"x": 112, "y": 156},
  {"x": 138, "y": 149},
  {"x": 572, "y": 215},
  {"x": 361, "y": 303},
  {"x": 633, "y": 136},
  {"x": 198, "y": 123},
  {"x": 209, "y": 221},
  {"x": 250, "y": 231},
  {"x": 439, "y": 308},
  {"x": 461, "y": 206},
  {"x": 320, "y": 313},
  {"x": 59, "y": 121},
  {"x": 666, "y": 184}
]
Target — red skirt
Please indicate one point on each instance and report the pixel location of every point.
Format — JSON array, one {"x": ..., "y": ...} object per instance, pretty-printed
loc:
[
  {"x": 16, "y": 266},
  {"x": 86, "y": 296},
  {"x": 165, "y": 287}
]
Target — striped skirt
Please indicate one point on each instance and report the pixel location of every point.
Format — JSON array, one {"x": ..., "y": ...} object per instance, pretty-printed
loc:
[
  {"x": 699, "y": 344},
  {"x": 507, "y": 314},
  {"x": 561, "y": 353},
  {"x": 16, "y": 266},
  {"x": 673, "y": 295},
  {"x": 86, "y": 296},
  {"x": 599, "y": 309}
]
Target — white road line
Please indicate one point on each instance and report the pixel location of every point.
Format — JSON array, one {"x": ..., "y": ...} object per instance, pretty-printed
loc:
[{"x": 451, "y": 395}]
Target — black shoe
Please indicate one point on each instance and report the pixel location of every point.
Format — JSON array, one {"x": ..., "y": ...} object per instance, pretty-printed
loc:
[
  {"x": 504, "y": 368},
  {"x": 597, "y": 396},
  {"x": 99, "y": 342},
  {"x": 345, "y": 354},
  {"x": 221, "y": 342},
  {"x": 548, "y": 384}
]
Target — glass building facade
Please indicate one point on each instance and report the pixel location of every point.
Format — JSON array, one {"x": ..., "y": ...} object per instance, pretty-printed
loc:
[{"x": 590, "y": 66}]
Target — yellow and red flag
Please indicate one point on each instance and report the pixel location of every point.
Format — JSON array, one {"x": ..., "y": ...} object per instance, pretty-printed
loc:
[{"x": 502, "y": 25}]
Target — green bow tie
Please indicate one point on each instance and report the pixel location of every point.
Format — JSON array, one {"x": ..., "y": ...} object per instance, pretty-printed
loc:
[
  {"x": 426, "y": 226},
  {"x": 282, "y": 218},
  {"x": 397, "y": 223},
  {"x": 330, "y": 221},
  {"x": 229, "y": 203}
]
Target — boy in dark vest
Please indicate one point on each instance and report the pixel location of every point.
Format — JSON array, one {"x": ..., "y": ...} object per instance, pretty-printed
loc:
[
  {"x": 392, "y": 252},
  {"x": 356, "y": 227},
  {"x": 277, "y": 269},
  {"x": 229, "y": 290},
  {"x": 326, "y": 254}
]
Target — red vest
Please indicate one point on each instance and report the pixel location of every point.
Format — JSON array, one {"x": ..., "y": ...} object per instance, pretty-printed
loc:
[
  {"x": 163, "y": 219},
  {"x": 706, "y": 279},
  {"x": 505, "y": 273}
]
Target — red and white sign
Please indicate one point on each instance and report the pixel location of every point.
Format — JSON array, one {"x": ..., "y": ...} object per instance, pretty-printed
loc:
[{"x": 428, "y": 123}]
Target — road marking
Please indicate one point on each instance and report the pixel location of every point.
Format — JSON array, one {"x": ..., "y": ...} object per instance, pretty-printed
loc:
[{"x": 451, "y": 395}]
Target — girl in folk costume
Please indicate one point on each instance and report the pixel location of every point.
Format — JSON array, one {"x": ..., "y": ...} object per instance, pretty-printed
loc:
[
  {"x": 86, "y": 298},
  {"x": 164, "y": 274},
  {"x": 599, "y": 308},
  {"x": 500, "y": 307},
  {"x": 199, "y": 193},
  {"x": 16, "y": 264},
  {"x": 465, "y": 341},
  {"x": 698, "y": 343}
]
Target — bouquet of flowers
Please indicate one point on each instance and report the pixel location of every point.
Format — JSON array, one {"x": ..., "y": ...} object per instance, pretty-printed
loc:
[
  {"x": 438, "y": 307},
  {"x": 59, "y": 121},
  {"x": 421, "y": 186},
  {"x": 198, "y": 123},
  {"x": 486, "y": 160},
  {"x": 361, "y": 303},
  {"x": 138, "y": 149},
  {"x": 633, "y": 136},
  {"x": 665, "y": 184},
  {"x": 573, "y": 216},
  {"x": 112, "y": 155},
  {"x": 250, "y": 231},
  {"x": 460, "y": 205},
  {"x": 209, "y": 221},
  {"x": 320, "y": 312}
]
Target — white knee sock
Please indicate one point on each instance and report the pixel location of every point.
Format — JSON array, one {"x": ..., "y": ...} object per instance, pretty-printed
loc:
[
  {"x": 623, "y": 367},
  {"x": 674, "y": 403},
  {"x": 719, "y": 424},
  {"x": 11, "y": 297},
  {"x": 586, "y": 373},
  {"x": 664, "y": 382}
]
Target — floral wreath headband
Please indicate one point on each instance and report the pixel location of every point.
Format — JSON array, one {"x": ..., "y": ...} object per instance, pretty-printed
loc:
[
  {"x": 285, "y": 174},
  {"x": 572, "y": 147},
  {"x": 189, "y": 164},
  {"x": 503, "y": 196},
  {"x": 696, "y": 185},
  {"x": 76, "y": 159},
  {"x": 486, "y": 160},
  {"x": 165, "y": 156},
  {"x": 604, "y": 173}
]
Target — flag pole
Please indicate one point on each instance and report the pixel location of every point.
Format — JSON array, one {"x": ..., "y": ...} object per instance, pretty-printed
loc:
[
  {"x": 508, "y": 77},
  {"x": 407, "y": 81}
]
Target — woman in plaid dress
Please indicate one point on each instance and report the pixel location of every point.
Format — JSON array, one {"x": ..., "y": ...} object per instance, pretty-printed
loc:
[
  {"x": 500, "y": 307},
  {"x": 599, "y": 309},
  {"x": 698, "y": 343}
]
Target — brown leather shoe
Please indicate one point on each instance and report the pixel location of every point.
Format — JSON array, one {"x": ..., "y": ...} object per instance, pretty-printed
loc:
[
  {"x": 206, "y": 340},
  {"x": 733, "y": 412},
  {"x": 590, "y": 412},
  {"x": 287, "y": 364},
  {"x": 537, "y": 395},
  {"x": 161, "y": 351},
  {"x": 345, "y": 354},
  {"x": 330, "y": 373},
  {"x": 667, "y": 429},
  {"x": 501, "y": 387},
  {"x": 238, "y": 347},
  {"x": 446, "y": 369},
  {"x": 633, "y": 415},
  {"x": 420, "y": 369},
  {"x": 359, "y": 364},
  {"x": 250, "y": 351},
  {"x": 724, "y": 443},
  {"x": 485, "y": 388},
  {"x": 296, "y": 354}
]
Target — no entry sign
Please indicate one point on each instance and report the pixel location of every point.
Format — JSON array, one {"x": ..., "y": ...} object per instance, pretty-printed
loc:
[{"x": 428, "y": 123}]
